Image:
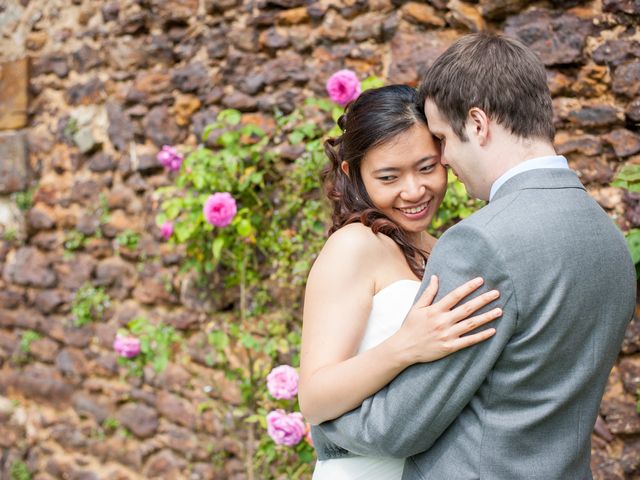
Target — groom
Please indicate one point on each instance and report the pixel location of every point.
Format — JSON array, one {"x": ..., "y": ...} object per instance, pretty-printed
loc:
[{"x": 522, "y": 404}]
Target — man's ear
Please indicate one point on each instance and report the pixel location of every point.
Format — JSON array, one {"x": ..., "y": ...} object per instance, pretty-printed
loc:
[
  {"x": 344, "y": 166},
  {"x": 478, "y": 124}
]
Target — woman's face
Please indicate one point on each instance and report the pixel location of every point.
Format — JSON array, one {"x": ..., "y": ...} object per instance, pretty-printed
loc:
[{"x": 405, "y": 179}]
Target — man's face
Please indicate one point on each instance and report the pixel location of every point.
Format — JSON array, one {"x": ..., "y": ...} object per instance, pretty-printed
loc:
[{"x": 460, "y": 156}]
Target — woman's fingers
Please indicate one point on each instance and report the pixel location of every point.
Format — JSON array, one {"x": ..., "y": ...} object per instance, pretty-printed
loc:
[
  {"x": 473, "y": 305},
  {"x": 455, "y": 296},
  {"x": 470, "y": 324},
  {"x": 468, "y": 340},
  {"x": 429, "y": 293}
]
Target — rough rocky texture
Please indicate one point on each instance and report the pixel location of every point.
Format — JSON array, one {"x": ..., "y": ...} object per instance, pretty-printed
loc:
[
  {"x": 14, "y": 166},
  {"x": 13, "y": 94},
  {"x": 108, "y": 83}
]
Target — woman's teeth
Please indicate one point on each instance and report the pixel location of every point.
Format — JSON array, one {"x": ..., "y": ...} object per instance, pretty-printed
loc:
[{"x": 414, "y": 210}]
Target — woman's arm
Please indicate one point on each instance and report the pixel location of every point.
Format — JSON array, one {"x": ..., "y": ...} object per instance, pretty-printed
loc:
[{"x": 338, "y": 300}]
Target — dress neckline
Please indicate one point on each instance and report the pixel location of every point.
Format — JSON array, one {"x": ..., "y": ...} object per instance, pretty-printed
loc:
[{"x": 395, "y": 283}]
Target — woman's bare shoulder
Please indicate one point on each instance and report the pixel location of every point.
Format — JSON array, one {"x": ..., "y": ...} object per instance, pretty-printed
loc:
[{"x": 355, "y": 239}]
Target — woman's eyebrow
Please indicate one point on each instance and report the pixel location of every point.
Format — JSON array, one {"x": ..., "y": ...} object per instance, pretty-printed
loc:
[{"x": 395, "y": 169}]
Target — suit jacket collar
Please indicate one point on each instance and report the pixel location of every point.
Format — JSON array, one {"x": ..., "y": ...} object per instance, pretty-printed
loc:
[{"x": 541, "y": 178}]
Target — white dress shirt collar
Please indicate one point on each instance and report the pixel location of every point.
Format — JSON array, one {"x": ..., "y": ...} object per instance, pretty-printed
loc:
[{"x": 551, "y": 161}]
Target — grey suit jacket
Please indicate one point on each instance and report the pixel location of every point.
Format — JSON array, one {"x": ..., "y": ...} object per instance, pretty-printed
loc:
[{"x": 521, "y": 405}]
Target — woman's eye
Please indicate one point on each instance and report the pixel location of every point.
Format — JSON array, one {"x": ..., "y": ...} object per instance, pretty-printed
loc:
[
  {"x": 387, "y": 178},
  {"x": 427, "y": 168}
]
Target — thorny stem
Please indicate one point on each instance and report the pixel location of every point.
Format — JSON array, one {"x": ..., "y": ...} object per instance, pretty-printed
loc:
[{"x": 252, "y": 407}]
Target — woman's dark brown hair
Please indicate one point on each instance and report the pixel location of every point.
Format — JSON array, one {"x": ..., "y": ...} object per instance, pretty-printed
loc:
[{"x": 374, "y": 118}]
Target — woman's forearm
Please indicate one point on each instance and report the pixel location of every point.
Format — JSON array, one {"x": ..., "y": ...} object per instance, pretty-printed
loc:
[{"x": 333, "y": 390}]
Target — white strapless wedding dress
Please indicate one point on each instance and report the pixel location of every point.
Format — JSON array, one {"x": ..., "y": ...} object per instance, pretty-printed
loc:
[{"x": 389, "y": 307}]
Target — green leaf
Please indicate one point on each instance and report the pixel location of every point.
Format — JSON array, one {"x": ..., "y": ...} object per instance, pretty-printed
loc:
[
  {"x": 218, "y": 339},
  {"x": 216, "y": 248},
  {"x": 252, "y": 130},
  {"x": 296, "y": 137},
  {"x": 207, "y": 131},
  {"x": 244, "y": 228},
  {"x": 336, "y": 112},
  {"x": 228, "y": 139},
  {"x": 184, "y": 230},
  {"x": 230, "y": 116},
  {"x": 306, "y": 456},
  {"x": 633, "y": 242},
  {"x": 172, "y": 208},
  {"x": 629, "y": 173},
  {"x": 371, "y": 82}
]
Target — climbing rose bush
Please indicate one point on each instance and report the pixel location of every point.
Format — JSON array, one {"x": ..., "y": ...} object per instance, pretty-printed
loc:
[
  {"x": 286, "y": 428},
  {"x": 219, "y": 209},
  {"x": 282, "y": 382},
  {"x": 343, "y": 87},
  {"x": 127, "y": 347},
  {"x": 166, "y": 230},
  {"x": 170, "y": 158}
]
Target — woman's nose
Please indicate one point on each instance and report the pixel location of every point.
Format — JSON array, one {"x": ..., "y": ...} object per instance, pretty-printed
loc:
[{"x": 413, "y": 189}]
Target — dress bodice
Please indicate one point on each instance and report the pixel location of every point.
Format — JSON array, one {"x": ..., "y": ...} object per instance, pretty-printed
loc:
[
  {"x": 388, "y": 310},
  {"x": 389, "y": 307}
]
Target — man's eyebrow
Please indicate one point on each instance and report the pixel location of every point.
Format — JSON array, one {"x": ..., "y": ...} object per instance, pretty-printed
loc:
[{"x": 395, "y": 169}]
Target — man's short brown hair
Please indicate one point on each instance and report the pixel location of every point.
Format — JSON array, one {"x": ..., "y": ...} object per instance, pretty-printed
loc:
[{"x": 497, "y": 74}]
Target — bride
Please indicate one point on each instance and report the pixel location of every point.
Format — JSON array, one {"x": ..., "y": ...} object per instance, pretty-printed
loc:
[{"x": 385, "y": 182}]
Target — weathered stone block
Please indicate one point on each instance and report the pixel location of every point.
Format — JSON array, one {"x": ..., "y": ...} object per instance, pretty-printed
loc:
[
  {"x": 14, "y": 78},
  {"x": 30, "y": 267},
  {"x": 412, "y": 53},
  {"x": 14, "y": 171},
  {"x": 631, "y": 7},
  {"x": 423, "y": 14},
  {"x": 176, "y": 409},
  {"x": 556, "y": 39},
  {"x": 623, "y": 141},
  {"x": 175, "y": 10},
  {"x": 626, "y": 79},
  {"x": 140, "y": 419}
]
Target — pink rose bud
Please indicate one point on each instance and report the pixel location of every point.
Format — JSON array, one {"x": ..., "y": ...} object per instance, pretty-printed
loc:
[
  {"x": 127, "y": 347},
  {"x": 166, "y": 230},
  {"x": 343, "y": 87},
  {"x": 219, "y": 209},
  {"x": 170, "y": 158},
  {"x": 282, "y": 382},
  {"x": 285, "y": 428}
]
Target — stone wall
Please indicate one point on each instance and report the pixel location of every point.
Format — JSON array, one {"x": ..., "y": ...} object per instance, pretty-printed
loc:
[{"x": 89, "y": 92}]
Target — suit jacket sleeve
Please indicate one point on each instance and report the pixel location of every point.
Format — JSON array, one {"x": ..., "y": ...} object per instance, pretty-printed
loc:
[{"x": 410, "y": 413}]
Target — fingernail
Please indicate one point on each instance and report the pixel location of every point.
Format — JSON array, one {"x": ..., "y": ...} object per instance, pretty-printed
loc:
[
  {"x": 478, "y": 281},
  {"x": 498, "y": 312},
  {"x": 495, "y": 293}
]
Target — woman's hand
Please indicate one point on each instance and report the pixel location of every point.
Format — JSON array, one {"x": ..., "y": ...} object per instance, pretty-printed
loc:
[{"x": 431, "y": 332}]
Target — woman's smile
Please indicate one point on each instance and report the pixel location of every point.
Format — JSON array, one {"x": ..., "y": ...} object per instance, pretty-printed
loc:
[{"x": 415, "y": 213}]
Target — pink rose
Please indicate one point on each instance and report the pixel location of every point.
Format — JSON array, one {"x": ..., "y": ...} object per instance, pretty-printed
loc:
[
  {"x": 285, "y": 428},
  {"x": 219, "y": 209},
  {"x": 127, "y": 347},
  {"x": 343, "y": 87},
  {"x": 166, "y": 230},
  {"x": 282, "y": 382},
  {"x": 170, "y": 158}
]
